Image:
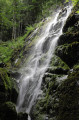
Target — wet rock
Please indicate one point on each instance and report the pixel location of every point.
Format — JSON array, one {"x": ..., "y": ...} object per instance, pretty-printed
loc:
[
  {"x": 46, "y": 45},
  {"x": 62, "y": 13},
  {"x": 14, "y": 74},
  {"x": 57, "y": 26}
]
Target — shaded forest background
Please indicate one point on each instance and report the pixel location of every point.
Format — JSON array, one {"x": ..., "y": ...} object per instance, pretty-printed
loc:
[{"x": 16, "y": 15}]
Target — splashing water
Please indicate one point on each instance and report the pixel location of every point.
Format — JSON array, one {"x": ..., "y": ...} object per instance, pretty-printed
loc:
[{"x": 31, "y": 79}]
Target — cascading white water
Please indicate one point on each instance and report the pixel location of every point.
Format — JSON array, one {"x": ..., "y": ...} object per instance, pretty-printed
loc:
[{"x": 33, "y": 73}]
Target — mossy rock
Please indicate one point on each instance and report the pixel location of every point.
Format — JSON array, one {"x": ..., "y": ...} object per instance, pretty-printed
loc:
[
  {"x": 8, "y": 87},
  {"x": 69, "y": 53},
  {"x": 69, "y": 97},
  {"x": 57, "y": 66},
  {"x": 72, "y": 19},
  {"x": 68, "y": 38},
  {"x": 8, "y": 111},
  {"x": 48, "y": 105}
]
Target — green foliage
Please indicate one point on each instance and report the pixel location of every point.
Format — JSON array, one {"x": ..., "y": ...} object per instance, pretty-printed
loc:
[
  {"x": 77, "y": 12},
  {"x": 8, "y": 48},
  {"x": 76, "y": 67},
  {"x": 29, "y": 29},
  {"x": 15, "y": 15},
  {"x": 73, "y": 1},
  {"x": 5, "y": 79}
]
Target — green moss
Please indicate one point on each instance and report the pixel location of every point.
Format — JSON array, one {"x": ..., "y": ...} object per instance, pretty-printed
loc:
[
  {"x": 57, "y": 62},
  {"x": 10, "y": 105},
  {"x": 70, "y": 25},
  {"x": 68, "y": 98},
  {"x": 76, "y": 67}
]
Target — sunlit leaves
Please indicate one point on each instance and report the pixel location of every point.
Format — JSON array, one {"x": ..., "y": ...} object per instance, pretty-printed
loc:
[{"x": 74, "y": 1}]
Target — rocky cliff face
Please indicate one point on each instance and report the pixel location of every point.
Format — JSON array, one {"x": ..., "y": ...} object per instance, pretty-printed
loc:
[{"x": 60, "y": 99}]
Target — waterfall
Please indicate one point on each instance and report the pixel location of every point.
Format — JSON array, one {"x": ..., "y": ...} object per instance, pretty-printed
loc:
[{"x": 33, "y": 72}]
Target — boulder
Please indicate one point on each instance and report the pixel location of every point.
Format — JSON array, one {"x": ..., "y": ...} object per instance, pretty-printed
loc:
[
  {"x": 57, "y": 66},
  {"x": 69, "y": 53}
]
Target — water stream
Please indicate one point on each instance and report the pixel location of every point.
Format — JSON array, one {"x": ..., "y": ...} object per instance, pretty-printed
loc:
[{"x": 33, "y": 72}]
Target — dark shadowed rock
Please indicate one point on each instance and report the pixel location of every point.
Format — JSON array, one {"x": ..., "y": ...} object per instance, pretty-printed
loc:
[
  {"x": 68, "y": 53},
  {"x": 8, "y": 111},
  {"x": 70, "y": 22},
  {"x": 68, "y": 38},
  {"x": 58, "y": 71},
  {"x": 2, "y": 65},
  {"x": 22, "y": 116}
]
